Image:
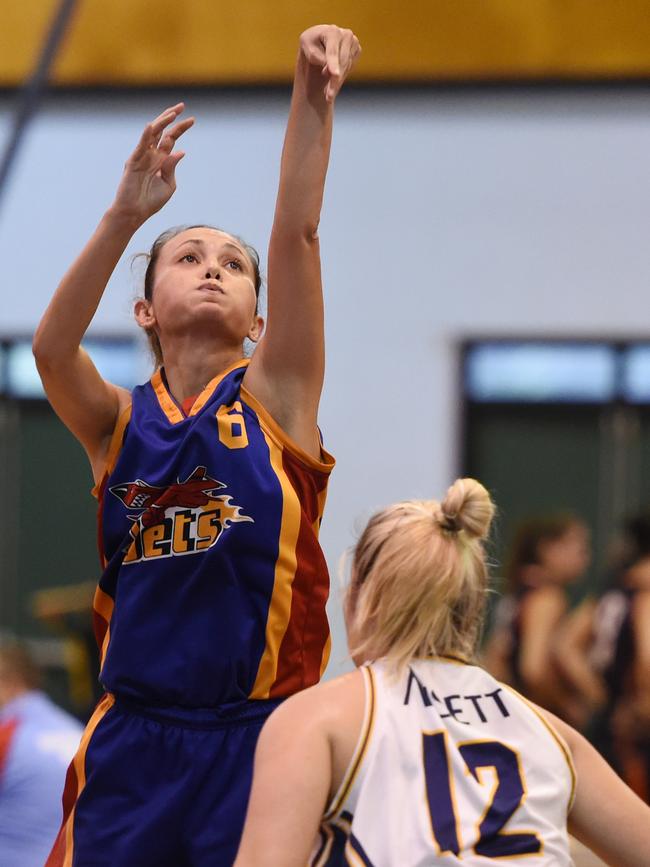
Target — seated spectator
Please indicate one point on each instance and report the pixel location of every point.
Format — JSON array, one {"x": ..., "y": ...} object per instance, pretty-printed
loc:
[{"x": 37, "y": 742}]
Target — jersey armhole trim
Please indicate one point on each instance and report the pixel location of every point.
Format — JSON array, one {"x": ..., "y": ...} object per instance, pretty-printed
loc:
[
  {"x": 449, "y": 657},
  {"x": 325, "y": 465},
  {"x": 562, "y": 744},
  {"x": 362, "y": 745},
  {"x": 114, "y": 448}
]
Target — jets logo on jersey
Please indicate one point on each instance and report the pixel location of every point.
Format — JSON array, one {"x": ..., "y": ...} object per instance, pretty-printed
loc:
[{"x": 182, "y": 518}]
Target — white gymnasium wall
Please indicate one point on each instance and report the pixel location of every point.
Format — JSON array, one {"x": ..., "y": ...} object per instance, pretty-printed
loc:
[{"x": 446, "y": 215}]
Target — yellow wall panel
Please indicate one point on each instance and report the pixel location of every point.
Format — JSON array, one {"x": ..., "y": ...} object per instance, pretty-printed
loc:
[
  {"x": 140, "y": 42},
  {"x": 22, "y": 29}
]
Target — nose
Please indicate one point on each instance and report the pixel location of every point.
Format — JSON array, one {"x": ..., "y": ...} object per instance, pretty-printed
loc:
[{"x": 213, "y": 272}]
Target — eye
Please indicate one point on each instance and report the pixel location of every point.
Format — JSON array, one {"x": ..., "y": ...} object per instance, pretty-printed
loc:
[
  {"x": 235, "y": 265},
  {"x": 189, "y": 257}
]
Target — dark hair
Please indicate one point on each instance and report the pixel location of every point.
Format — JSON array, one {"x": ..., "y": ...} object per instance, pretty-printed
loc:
[
  {"x": 634, "y": 545},
  {"x": 154, "y": 254},
  {"x": 529, "y": 536}
]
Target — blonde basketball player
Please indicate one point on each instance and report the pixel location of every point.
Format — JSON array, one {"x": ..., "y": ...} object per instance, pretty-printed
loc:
[{"x": 419, "y": 757}]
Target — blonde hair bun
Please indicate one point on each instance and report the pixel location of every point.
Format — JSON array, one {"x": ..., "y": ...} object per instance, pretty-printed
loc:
[{"x": 467, "y": 506}]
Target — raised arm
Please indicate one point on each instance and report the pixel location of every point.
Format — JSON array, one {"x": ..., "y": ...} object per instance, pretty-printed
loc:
[
  {"x": 86, "y": 403},
  {"x": 286, "y": 372}
]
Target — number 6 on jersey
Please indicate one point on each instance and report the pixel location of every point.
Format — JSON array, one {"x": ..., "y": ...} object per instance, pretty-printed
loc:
[{"x": 232, "y": 430}]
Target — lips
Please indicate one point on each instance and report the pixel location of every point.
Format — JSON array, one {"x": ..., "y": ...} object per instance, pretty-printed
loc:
[{"x": 212, "y": 286}]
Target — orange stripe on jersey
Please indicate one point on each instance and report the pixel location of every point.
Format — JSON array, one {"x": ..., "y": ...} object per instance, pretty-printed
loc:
[
  {"x": 63, "y": 850},
  {"x": 206, "y": 394},
  {"x": 167, "y": 405},
  {"x": 301, "y": 654},
  {"x": 103, "y": 605},
  {"x": 325, "y": 658},
  {"x": 114, "y": 448},
  {"x": 270, "y": 426},
  {"x": 112, "y": 455},
  {"x": 285, "y": 570},
  {"x": 322, "y": 497}
]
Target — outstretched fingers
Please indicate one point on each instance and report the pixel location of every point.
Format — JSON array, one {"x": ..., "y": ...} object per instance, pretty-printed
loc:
[
  {"x": 172, "y": 135},
  {"x": 152, "y": 131}
]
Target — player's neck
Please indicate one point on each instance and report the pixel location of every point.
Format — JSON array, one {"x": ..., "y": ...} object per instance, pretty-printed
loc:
[{"x": 189, "y": 365}]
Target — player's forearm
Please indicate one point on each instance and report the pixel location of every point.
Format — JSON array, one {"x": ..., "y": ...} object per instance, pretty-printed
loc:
[
  {"x": 305, "y": 155},
  {"x": 77, "y": 297},
  {"x": 606, "y": 816}
]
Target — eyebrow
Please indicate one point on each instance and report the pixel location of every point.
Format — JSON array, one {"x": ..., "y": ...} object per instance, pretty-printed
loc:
[{"x": 201, "y": 243}]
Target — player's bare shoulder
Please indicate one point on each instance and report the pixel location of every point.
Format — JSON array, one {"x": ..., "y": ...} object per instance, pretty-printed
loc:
[{"x": 328, "y": 704}]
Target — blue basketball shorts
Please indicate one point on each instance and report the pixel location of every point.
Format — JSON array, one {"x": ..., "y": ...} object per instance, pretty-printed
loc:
[{"x": 151, "y": 787}]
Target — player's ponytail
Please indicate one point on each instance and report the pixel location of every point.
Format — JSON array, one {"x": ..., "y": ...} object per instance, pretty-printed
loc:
[
  {"x": 467, "y": 507},
  {"x": 419, "y": 577}
]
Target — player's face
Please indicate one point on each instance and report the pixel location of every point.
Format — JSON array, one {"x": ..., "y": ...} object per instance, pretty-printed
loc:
[
  {"x": 204, "y": 277},
  {"x": 568, "y": 556}
]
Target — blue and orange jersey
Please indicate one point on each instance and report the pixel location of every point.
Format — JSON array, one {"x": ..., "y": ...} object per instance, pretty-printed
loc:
[{"x": 214, "y": 584}]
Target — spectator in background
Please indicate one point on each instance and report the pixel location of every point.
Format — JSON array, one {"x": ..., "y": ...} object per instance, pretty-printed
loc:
[
  {"x": 548, "y": 554},
  {"x": 606, "y": 642},
  {"x": 37, "y": 742}
]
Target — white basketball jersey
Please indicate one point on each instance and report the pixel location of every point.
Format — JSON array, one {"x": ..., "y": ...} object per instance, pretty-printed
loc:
[{"x": 452, "y": 767}]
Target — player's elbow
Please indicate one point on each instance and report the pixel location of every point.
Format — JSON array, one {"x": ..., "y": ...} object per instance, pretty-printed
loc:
[
  {"x": 49, "y": 350},
  {"x": 42, "y": 349},
  {"x": 296, "y": 229}
]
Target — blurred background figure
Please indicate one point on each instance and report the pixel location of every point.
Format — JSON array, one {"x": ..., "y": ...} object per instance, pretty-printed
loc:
[
  {"x": 548, "y": 554},
  {"x": 606, "y": 645},
  {"x": 37, "y": 742}
]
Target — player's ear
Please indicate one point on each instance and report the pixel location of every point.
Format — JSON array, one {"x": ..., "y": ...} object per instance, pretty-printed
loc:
[
  {"x": 256, "y": 329},
  {"x": 143, "y": 313}
]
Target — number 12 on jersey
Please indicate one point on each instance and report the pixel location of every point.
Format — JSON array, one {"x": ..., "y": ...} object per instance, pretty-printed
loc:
[{"x": 505, "y": 797}]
